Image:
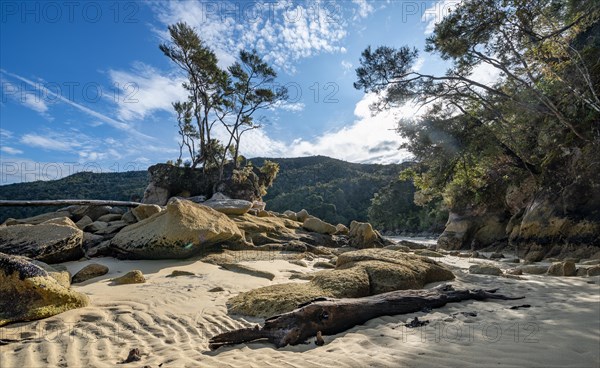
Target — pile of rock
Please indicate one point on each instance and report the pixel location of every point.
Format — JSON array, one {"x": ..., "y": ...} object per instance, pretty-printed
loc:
[{"x": 180, "y": 229}]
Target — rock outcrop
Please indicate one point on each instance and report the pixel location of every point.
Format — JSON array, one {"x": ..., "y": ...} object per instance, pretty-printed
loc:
[
  {"x": 131, "y": 277},
  {"x": 35, "y": 220},
  {"x": 318, "y": 226},
  {"x": 552, "y": 215},
  {"x": 182, "y": 230},
  {"x": 46, "y": 242},
  {"x": 362, "y": 235},
  {"x": 156, "y": 195},
  {"x": 229, "y": 206},
  {"x": 29, "y": 292},
  {"x": 144, "y": 211},
  {"x": 474, "y": 230},
  {"x": 566, "y": 268},
  {"x": 89, "y": 272},
  {"x": 485, "y": 269},
  {"x": 358, "y": 273}
]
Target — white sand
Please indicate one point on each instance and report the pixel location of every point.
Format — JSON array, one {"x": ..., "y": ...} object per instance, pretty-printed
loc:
[{"x": 171, "y": 319}]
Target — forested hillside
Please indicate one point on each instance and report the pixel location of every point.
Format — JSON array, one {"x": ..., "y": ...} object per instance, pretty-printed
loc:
[
  {"x": 334, "y": 190},
  {"x": 123, "y": 186},
  {"x": 339, "y": 192}
]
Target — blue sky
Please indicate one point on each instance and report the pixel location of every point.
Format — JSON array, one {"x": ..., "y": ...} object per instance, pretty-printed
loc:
[{"x": 85, "y": 87}]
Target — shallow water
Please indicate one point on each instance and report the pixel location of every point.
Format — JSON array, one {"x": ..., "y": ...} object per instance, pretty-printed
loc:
[{"x": 416, "y": 239}]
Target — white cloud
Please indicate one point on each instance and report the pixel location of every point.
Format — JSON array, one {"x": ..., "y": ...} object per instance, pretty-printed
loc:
[
  {"x": 436, "y": 12},
  {"x": 364, "y": 8},
  {"x": 145, "y": 90},
  {"x": 46, "y": 142},
  {"x": 10, "y": 150},
  {"x": 5, "y": 133},
  {"x": 485, "y": 74},
  {"x": 368, "y": 139},
  {"x": 284, "y": 31},
  {"x": 32, "y": 99},
  {"x": 346, "y": 66},
  {"x": 419, "y": 64},
  {"x": 289, "y": 106}
]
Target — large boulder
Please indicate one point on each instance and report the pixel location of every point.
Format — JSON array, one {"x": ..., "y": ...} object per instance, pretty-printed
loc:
[
  {"x": 267, "y": 230},
  {"x": 144, "y": 211},
  {"x": 46, "y": 242},
  {"x": 318, "y": 226},
  {"x": 234, "y": 207},
  {"x": 474, "y": 230},
  {"x": 566, "y": 268},
  {"x": 35, "y": 220},
  {"x": 89, "y": 272},
  {"x": 29, "y": 292},
  {"x": 95, "y": 226},
  {"x": 357, "y": 274},
  {"x": 302, "y": 215},
  {"x": 341, "y": 229},
  {"x": 183, "y": 230},
  {"x": 93, "y": 212},
  {"x": 485, "y": 269},
  {"x": 362, "y": 235},
  {"x": 155, "y": 195}
]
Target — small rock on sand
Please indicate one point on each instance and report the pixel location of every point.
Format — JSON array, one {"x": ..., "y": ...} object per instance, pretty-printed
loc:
[{"x": 131, "y": 277}]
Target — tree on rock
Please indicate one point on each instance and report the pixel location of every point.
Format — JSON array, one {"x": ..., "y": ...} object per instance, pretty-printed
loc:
[{"x": 216, "y": 96}]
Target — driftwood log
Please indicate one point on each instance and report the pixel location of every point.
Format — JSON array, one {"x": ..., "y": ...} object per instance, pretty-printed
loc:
[
  {"x": 66, "y": 202},
  {"x": 325, "y": 316}
]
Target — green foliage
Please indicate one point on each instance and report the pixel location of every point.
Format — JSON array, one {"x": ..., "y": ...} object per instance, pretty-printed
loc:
[
  {"x": 477, "y": 138},
  {"x": 240, "y": 175},
  {"x": 393, "y": 208},
  {"x": 336, "y": 191},
  {"x": 230, "y": 97},
  {"x": 269, "y": 169}
]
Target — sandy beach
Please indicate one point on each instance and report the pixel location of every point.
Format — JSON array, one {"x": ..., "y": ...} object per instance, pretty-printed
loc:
[{"x": 170, "y": 320}]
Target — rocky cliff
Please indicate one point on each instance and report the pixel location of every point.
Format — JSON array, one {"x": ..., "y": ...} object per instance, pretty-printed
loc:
[{"x": 554, "y": 214}]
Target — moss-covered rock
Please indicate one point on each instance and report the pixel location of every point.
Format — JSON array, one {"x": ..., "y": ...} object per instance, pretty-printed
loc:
[
  {"x": 144, "y": 211},
  {"x": 29, "y": 292},
  {"x": 428, "y": 253},
  {"x": 362, "y": 235},
  {"x": 566, "y": 268},
  {"x": 318, "y": 226},
  {"x": 357, "y": 274},
  {"x": 89, "y": 272},
  {"x": 46, "y": 242},
  {"x": 183, "y": 230},
  {"x": 131, "y": 277},
  {"x": 485, "y": 269}
]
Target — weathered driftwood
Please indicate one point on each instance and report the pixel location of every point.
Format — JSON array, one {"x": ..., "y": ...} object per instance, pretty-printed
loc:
[
  {"x": 331, "y": 316},
  {"x": 67, "y": 202}
]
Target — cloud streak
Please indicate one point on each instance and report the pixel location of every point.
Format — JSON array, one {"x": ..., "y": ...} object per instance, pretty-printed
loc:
[{"x": 106, "y": 119}]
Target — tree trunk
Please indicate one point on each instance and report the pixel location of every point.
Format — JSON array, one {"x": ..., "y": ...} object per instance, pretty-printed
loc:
[
  {"x": 331, "y": 316},
  {"x": 66, "y": 202}
]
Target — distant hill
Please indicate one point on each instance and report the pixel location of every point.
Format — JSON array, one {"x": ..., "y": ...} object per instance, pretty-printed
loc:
[
  {"x": 334, "y": 190},
  {"x": 122, "y": 186}
]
